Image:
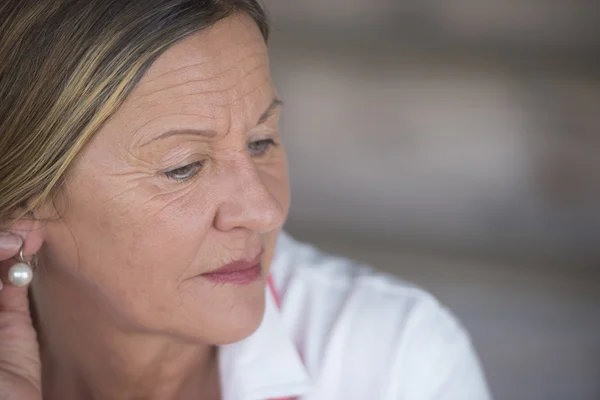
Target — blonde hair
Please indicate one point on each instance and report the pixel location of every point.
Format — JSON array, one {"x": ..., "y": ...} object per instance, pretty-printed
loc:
[{"x": 66, "y": 66}]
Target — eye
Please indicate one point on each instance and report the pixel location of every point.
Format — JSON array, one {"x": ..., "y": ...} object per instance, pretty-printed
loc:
[
  {"x": 259, "y": 148},
  {"x": 184, "y": 173}
]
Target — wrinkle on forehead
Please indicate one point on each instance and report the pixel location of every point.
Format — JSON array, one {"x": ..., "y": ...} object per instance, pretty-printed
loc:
[
  {"x": 208, "y": 54},
  {"x": 206, "y": 81},
  {"x": 149, "y": 124},
  {"x": 185, "y": 76},
  {"x": 196, "y": 103},
  {"x": 193, "y": 86}
]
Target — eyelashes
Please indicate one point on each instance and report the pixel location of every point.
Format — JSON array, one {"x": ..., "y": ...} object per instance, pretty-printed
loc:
[
  {"x": 261, "y": 147},
  {"x": 256, "y": 149},
  {"x": 184, "y": 173}
]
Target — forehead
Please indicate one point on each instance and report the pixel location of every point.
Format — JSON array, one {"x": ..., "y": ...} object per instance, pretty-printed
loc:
[
  {"x": 201, "y": 79},
  {"x": 230, "y": 49}
]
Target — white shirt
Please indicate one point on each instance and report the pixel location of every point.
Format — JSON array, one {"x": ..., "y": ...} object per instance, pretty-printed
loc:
[{"x": 343, "y": 332}]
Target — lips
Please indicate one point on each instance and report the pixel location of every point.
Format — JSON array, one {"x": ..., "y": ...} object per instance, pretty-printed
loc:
[{"x": 238, "y": 272}]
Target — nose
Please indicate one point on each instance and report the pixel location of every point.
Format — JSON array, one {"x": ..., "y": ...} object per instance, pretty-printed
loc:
[{"x": 247, "y": 203}]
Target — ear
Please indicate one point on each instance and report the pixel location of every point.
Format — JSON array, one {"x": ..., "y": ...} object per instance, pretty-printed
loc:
[{"x": 32, "y": 232}]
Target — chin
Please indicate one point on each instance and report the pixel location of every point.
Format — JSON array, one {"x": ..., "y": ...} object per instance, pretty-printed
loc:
[
  {"x": 238, "y": 332},
  {"x": 238, "y": 329},
  {"x": 235, "y": 313}
]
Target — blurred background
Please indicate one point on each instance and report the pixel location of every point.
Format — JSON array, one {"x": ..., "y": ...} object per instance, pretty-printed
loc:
[{"x": 456, "y": 144}]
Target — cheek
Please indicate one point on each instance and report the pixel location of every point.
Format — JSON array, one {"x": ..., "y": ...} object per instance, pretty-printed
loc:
[
  {"x": 130, "y": 251},
  {"x": 163, "y": 233},
  {"x": 276, "y": 180},
  {"x": 135, "y": 235},
  {"x": 275, "y": 177}
]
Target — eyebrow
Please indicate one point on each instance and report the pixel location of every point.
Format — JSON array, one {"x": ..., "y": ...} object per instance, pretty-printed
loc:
[
  {"x": 270, "y": 110},
  {"x": 196, "y": 132},
  {"x": 211, "y": 133}
]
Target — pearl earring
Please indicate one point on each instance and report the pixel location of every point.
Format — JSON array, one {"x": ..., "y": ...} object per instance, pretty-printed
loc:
[{"x": 21, "y": 274}]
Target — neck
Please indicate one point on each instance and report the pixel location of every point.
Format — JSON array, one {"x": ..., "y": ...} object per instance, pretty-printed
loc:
[{"x": 86, "y": 354}]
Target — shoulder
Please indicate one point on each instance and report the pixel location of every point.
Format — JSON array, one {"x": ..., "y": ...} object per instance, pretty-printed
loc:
[{"x": 340, "y": 311}]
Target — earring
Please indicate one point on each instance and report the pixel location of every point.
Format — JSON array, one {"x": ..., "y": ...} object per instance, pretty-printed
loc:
[{"x": 21, "y": 274}]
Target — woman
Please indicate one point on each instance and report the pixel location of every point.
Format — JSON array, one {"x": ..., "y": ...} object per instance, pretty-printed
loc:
[{"x": 143, "y": 173}]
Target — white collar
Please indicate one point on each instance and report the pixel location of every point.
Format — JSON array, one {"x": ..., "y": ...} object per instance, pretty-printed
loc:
[{"x": 265, "y": 365}]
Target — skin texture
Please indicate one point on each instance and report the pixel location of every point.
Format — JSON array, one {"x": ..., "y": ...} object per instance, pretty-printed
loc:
[{"x": 123, "y": 312}]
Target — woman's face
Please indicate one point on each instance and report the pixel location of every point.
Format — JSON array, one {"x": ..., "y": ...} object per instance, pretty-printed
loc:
[{"x": 190, "y": 174}]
